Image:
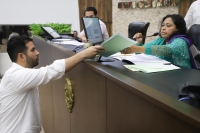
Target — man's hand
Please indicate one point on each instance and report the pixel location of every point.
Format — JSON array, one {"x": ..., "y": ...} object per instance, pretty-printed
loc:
[{"x": 92, "y": 51}]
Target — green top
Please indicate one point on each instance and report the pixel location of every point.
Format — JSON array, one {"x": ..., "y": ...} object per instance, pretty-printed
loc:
[{"x": 176, "y": 52}]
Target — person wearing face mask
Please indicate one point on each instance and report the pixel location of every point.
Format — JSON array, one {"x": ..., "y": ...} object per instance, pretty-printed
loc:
[
  {"x": 172, "y": 45},
  {"x": 92, "y": 12}
]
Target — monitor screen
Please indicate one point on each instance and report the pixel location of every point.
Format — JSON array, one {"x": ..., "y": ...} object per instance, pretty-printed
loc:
[
  {"x": 92, "y": 30},
  {"x": 51, "y": 32}
]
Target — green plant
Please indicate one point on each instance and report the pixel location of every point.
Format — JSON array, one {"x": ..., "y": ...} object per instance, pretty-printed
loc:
[
  {"x": 36, "y": 29},
  {"x": 58, "y": 27}
]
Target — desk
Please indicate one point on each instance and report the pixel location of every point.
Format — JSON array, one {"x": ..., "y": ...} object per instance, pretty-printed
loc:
[{"x": 112, "y": 99}]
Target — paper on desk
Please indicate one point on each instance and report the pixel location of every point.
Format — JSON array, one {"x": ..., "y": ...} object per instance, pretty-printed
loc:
[
  {"x": 151, "y": 68},
  {"x": 146, "y": 63},
  {"x": 72, "y": 42},
  {"x": 121, "y": 56},
  {"x": 62, "y": 39},
  {"x": 144, "y": 59}
]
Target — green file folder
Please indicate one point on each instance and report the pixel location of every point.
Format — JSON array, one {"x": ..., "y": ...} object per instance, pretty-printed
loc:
[{"x": 116, "y": 43}]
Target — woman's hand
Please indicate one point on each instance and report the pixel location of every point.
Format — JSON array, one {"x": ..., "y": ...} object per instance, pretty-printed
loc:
[
  {"x": 133, "y": 49},
  {"x": 128, "y": 50},
  {"x": 138, "y": 37}
]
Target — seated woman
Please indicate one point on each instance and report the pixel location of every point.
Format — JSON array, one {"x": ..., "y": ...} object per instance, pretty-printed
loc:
[{"x": 171, "y": 45}]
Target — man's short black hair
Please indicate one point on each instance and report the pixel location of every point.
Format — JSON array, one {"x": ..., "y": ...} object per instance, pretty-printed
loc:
[
  {"x": 16, "y": 45},
  {"x": 90, "y": 8}
]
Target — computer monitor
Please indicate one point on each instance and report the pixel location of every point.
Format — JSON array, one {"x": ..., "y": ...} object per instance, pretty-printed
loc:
[
  {"x": 51, "y": 32},
  {"x": 92, "y": 30}
]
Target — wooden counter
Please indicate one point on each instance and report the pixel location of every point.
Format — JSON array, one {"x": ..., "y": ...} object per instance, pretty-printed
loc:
[{"x": 111, "y": 99}]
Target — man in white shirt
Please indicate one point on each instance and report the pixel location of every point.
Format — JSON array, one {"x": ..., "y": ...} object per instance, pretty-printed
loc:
[
  {"x": 193, "y": 14},
  {"x": 19, "y": 100},
  {"x": 92, "y": 12}
]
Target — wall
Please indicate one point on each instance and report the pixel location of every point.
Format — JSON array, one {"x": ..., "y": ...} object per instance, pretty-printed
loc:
[
  {"x": 122, "y": 17},
  {"x": 24, "y": 12}
]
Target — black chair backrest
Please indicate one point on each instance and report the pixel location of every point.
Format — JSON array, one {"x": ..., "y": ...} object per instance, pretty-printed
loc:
[
  {"x": 136, "y": 27},
  {"x": 194, "y": 34}
]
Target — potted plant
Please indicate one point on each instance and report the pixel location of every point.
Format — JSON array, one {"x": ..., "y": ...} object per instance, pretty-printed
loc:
[{"x": 58, "y": 27}]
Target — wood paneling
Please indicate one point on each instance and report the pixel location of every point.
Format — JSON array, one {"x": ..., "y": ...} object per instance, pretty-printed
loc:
[
  {"x": 61, "y": 114},
  {"x": 90, "y": 99},
  {"x": 46, "y": 104},
  {"x": 184, "y": 6},
  {"x": 104, "y": 8},
  {"x": 110, "y": 100},
  {"x": 125, "y": 114}
]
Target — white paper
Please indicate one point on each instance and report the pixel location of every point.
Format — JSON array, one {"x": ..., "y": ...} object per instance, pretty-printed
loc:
[
  {"x": 149, "y": 60},
  {"x": 120, "y": 56},
  {"x": 73, "y": 42},
  {"x": 145, "y": 59}
]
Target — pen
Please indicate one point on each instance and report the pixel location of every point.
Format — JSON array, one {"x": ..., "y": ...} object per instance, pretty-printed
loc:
[{"x": 167, "y": 63}]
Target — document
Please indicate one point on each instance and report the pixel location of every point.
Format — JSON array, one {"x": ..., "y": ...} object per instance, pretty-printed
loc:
[
  {"x": 145, "y": 63},
  {"x": 70, "y": 42},
  {"x": 150, "y": 69},
  {"x": 115, "y": 44},
  {"x": 60, "y": 40},
  {"x": 139, "y": 58},
  {"x": 121, "y": 56}
]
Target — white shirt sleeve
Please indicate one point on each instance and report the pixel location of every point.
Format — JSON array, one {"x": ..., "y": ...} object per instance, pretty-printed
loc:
[
  {"x": 82, "y": 33},
  {"x": 104, "y": 30},
  {"x": 193, "y": 15},
  {"x": 24, "y": 79},
  {"x": 189, "y": 17}
]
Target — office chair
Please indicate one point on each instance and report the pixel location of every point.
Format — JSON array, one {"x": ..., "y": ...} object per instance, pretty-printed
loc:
[
  {"x": 135, "y": 27},
  {"x": 194, "y": 34},
  {"x": 192, "y": 90}
]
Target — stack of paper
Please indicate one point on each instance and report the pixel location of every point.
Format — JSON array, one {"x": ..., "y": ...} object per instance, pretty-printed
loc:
[
  {"x": 145, "y": 63},
  {"x": 69, "y": 42},
  {"x": 120, "y": 56},
  {"x": 151, "y": 68}
]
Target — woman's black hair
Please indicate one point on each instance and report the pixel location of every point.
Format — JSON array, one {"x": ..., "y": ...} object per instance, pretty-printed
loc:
[{"x": 179, "y": 23}]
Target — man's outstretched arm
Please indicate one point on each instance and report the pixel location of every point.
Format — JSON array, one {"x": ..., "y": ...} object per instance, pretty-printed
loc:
[{"x": 77, "y": 58}]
